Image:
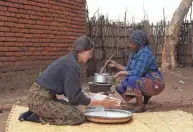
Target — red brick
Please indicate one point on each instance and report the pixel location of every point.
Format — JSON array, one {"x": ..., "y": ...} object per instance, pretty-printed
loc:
[
  {"x": 11, "y": 9},
  {"x": 32, "y": 57},
  {"x": 32, "y": 3},
  {"x": 12, "y": 19},
  {"x": 41, "y": 4},
  {"x": 22, "y": 49},
  {"x": 40, "y": 22},
  {"x": 28, "y": 7},
  {"x": 42, "y": 57},
  {"x": 52, "y": 53},
  {"x": 3, "y": 8},
  {"x": 9, "y": 4},
  {"x": 25, "y": 16},
  {"x": 1, "y": 64},
  {"x": 45, "y": 1},
  {"x": 45, "y": 27},
  {"x": 45, "y": 53},
  {"x": 55, "y": 49},
  {"x": 37, "y": 26},
  {"x": 40, "y": 49},
  {"x": 12, "y": 39},
  {"x": 2, "y": 13},
  {"x": 32, "y": 49},
  {"x": 36, "y": 31},
  {"x": 2, "y": 53},
  {"x": 10, "y": 34},
  {"x": 22, "y": 20},
  {"x": 31, "y": 21},
  {"x": 13, "y": 48},
  {"x": 13, "y": 58},
  {"x": 13, "y": 14},
  {"x": 28, "y": 44},
  {"x": 18, "y": 5},
  {"x": 28, "y": 35},
  {"x": 37, "y": 53},
  {"x": 4, "y": 29},
  {"x": 23, "y": 58},
  {"x": 48, "y": 49},
  {"x": 10, "y": 53},
  {"x": 3, "y": 18},
  {"x": 23, "y": 30},
  {"x": 19, "y": 53},
  {"x": 22, "y": 1},
  {"x": 9, "y": 24},
  {"x": 14, "y": 29},
  {"x": 33, "y": 17},
  {"x": 37, "y": 35},
  {"x": 31, "y": 12},
  {"x": 2, "y": 34},
  {"x": 20, "y": 39},
  {"x": 46, "y": 19},
  {"x": 19, "y": 25},
  {"x": 2, "y": 3},
  {"x": 47, "y": 6},
  {"x": 4, "y": 59},
  {"x": 3, "y": 39},
  {"x": 28, "y": 53},
  {"x": 29, "y": 26},
  {"x": 19, "y": 34},
  {"x": 22, "y": 11},
  {"x": 18, "y": 44},
  {"x": 44, "y": 9},
  {"x": 8, "y": 64},
  {"x": 36, "y": 8}
]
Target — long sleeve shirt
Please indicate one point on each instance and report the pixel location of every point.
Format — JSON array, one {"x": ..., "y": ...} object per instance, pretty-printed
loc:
[
  {"x": 63, "y": 77},
  {"x": 142, "y": 62}
]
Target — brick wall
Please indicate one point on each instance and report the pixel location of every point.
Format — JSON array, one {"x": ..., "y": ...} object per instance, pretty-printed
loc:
[{"x": 33, "y": 33}]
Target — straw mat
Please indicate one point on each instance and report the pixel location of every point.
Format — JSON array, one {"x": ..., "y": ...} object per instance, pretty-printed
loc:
[{"x": 171, "y": 121}]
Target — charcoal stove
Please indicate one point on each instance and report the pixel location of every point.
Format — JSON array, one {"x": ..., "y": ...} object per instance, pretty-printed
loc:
[{"x": 99, "y": 87}]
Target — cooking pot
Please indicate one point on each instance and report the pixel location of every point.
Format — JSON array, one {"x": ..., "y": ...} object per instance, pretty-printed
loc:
[{"x": 103, "y": 78}]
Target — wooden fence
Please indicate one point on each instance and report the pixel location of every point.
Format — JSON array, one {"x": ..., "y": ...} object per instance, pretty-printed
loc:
[{"x": 112, "y": 37}]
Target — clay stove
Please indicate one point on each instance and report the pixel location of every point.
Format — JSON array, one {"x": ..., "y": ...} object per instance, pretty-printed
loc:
[{"x": 99, "y": 87}]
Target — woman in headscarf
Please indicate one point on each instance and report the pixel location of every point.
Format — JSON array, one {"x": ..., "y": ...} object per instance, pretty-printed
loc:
[
  {"x": 143, "y": 77},
  {"x": 62, "y": 77}
]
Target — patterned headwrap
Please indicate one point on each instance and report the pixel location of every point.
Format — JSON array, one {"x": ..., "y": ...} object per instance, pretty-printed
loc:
[{"x": 139, "y": 37}]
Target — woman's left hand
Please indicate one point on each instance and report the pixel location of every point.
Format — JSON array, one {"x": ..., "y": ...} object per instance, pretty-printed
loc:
[{"x": 121, "y": 73}]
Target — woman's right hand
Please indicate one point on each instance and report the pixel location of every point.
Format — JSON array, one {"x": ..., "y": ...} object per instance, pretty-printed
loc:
[
  {"x": 106, "y": 102},
  {"x": 112, "y": 63},
  {"x": 109, "y": 103}
]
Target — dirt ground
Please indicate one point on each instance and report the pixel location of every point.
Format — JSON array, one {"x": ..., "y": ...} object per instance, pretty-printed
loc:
[{"x": 177, "y": 95}]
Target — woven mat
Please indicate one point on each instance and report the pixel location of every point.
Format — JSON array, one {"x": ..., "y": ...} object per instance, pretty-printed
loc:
[{"x": 172, "y": 121}]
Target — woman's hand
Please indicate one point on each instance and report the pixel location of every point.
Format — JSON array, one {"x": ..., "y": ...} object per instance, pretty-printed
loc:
[
  {"x": 112, "y": 63},
  {"x": 121, "y": 73},
  {"x": 105, "y": 102},
  {"x": 109, "y": 103}
]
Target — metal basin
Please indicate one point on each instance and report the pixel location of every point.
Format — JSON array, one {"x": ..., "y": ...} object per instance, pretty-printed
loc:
[{"x": 103, "y": 116}]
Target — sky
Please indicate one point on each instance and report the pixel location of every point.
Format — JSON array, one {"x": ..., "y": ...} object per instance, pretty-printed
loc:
[{"x": 116, "y": 9}]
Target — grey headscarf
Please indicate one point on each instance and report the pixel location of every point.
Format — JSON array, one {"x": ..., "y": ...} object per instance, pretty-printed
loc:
[{"x": 139, "y": 37}]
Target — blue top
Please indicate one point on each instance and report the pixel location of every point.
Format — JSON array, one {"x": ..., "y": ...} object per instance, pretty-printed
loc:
[{"x": 142, "y": 62}]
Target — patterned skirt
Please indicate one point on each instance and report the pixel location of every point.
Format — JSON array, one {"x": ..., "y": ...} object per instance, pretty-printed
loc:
[
  {"x": 51, "y": 110},
  {"x": 149, "y": 85}
]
